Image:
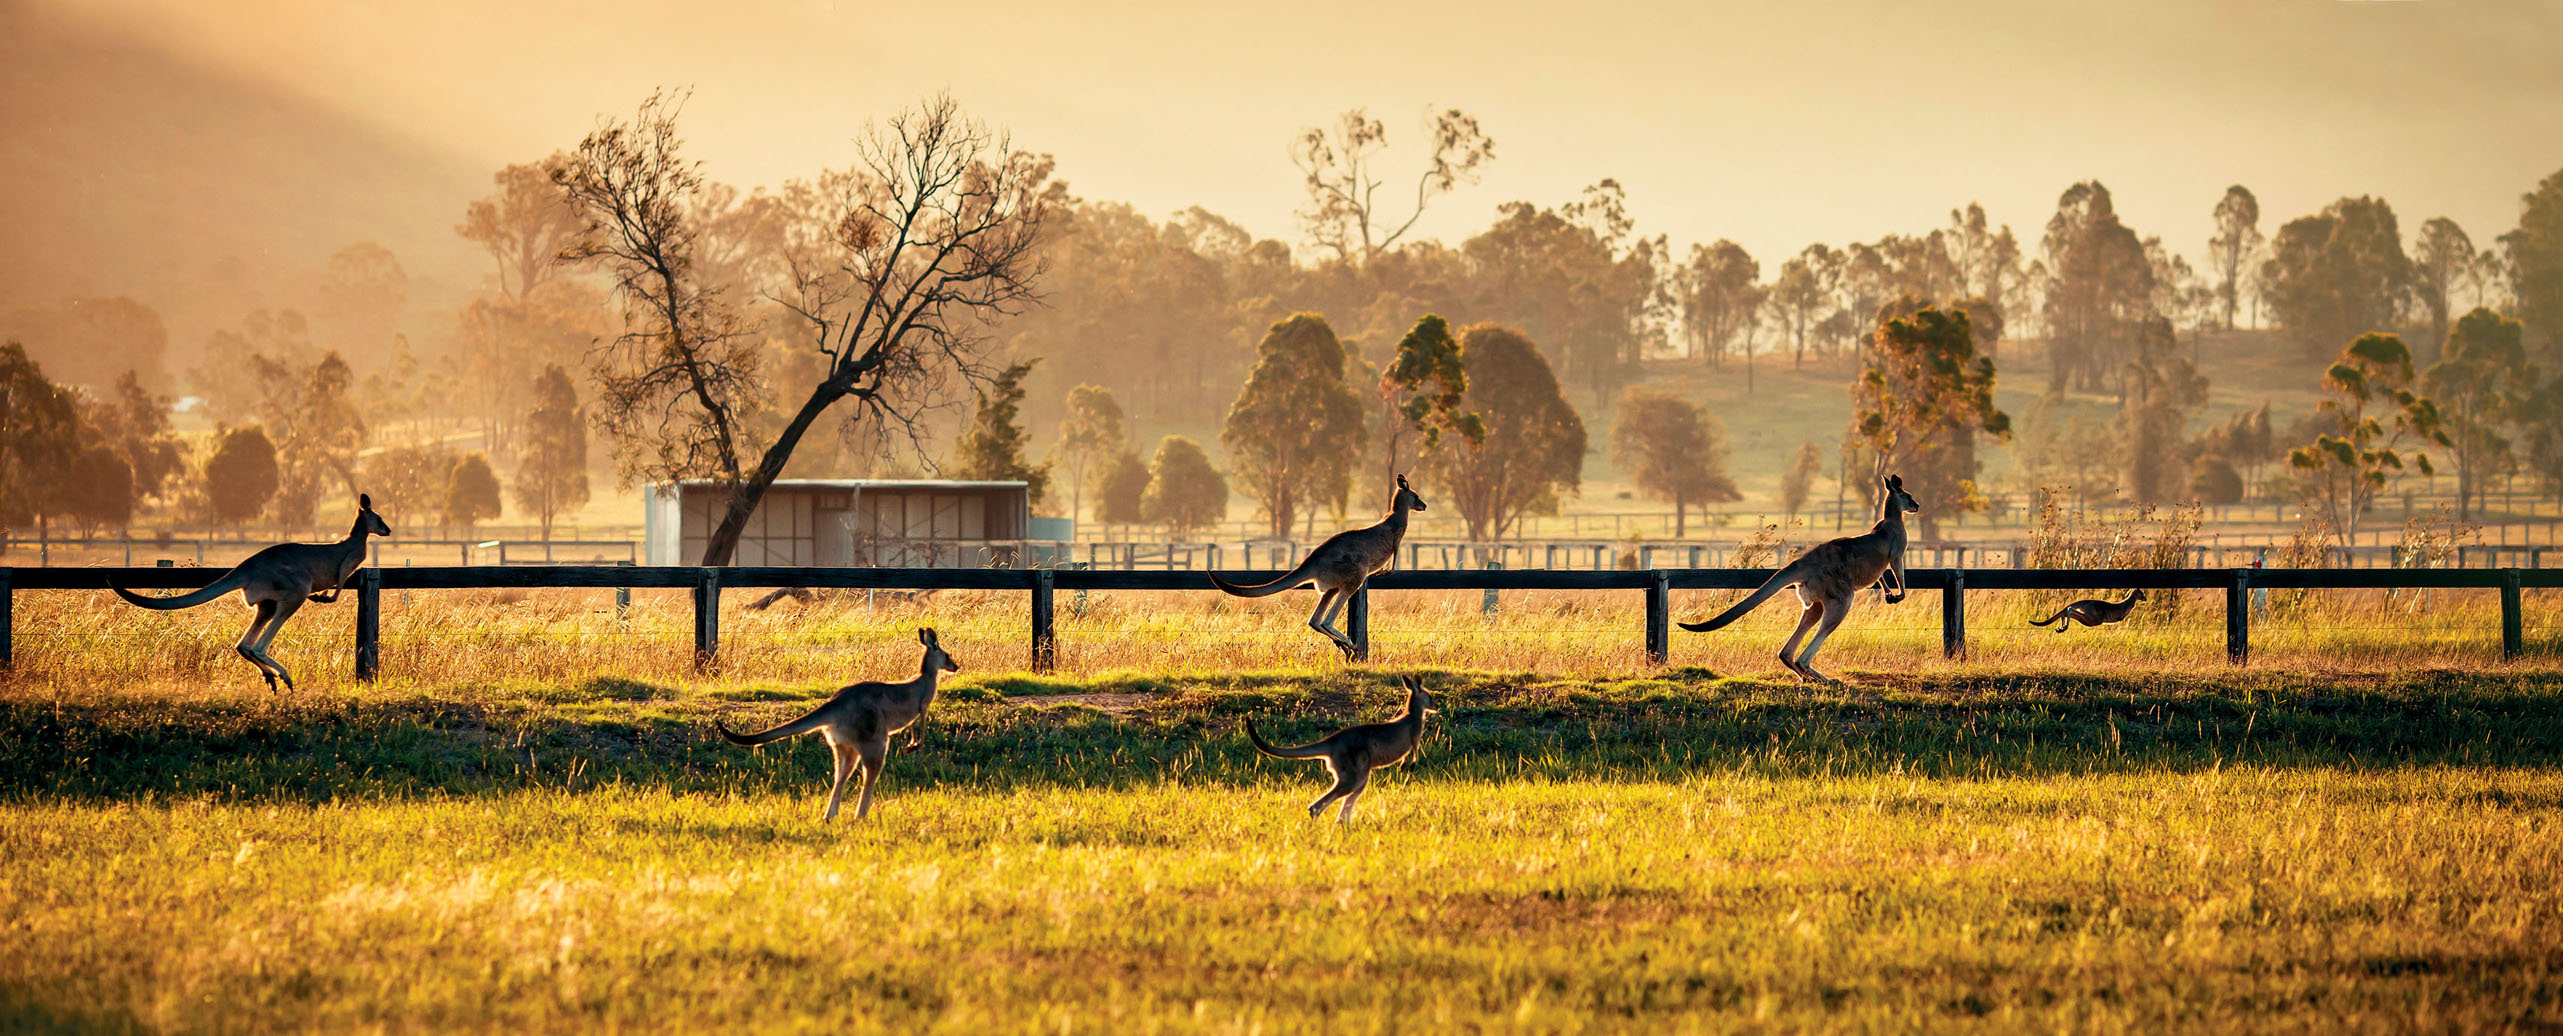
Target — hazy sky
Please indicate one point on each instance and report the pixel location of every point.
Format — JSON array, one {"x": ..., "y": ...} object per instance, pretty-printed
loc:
[{"x": 1773, "y": 123}]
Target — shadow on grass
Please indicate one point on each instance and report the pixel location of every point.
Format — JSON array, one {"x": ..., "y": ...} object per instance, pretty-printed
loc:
[{"x": 997, "y": 732}]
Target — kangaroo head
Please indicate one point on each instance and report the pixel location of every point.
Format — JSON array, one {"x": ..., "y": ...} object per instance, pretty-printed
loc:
[
  {"x": 1897, "y": 498},
  {"x": 1406, "y": 498},
  {"x": 1418, "y": 700},
  {"x": 367, "y": 520},
  {"x": 2137, "y": 596},
  {"x": 936, "y": 658}
]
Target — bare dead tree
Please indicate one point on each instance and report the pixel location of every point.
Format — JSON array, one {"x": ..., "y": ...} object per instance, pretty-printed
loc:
[
  {"x": 1343, "y": 212},
  {"x": 898, "y": 268},
  {"x": 675, "y": 387},
  {"x": 895, "y": 270}
]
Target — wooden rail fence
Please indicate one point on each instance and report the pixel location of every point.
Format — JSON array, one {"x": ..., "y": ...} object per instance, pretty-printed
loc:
[{"x": 1657, "y": 585}]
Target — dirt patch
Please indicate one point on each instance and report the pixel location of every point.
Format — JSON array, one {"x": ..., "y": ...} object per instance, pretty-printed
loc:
[{"x": 1109, "y": 701}]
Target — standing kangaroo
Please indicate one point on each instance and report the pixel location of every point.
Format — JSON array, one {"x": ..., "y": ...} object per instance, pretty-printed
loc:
[
  {"x": 1340, "y": 566},
  {"x": 276, "y": 581},
  {"x": 858, "y": 723},
  {"x": 1352, "y": 753},
  {"x": 1828, "y": 574},
  {"x": 2092, "y": 612}
]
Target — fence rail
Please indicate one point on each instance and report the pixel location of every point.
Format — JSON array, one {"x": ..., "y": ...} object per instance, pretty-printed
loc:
[{"x": 1657, "y": 585}]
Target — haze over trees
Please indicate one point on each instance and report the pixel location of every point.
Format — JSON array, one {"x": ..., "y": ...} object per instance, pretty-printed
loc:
[
  {"x": 1184, "y": 493},
  {"x": 551, "y": 476},
  {"x": 1673, "y": 449}
]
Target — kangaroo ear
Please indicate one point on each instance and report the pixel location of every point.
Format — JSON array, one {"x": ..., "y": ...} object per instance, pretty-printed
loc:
[
  {"x": 365, "y": 501},
  {"x": 925, "y": 635},
  {"x": 1401, "y": 481}
]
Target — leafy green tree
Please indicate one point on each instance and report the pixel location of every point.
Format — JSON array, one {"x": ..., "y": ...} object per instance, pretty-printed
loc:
[
  {"x": 2481, "y": 382},
  {"x": 1184, "y": 492},
  {"x": 551, "y": 475},
  {"x": 1799, "y": 478},
  {"x": 471, "y": 493},
  {"x": 39, "y": 437},
  {"x": 2230, "y": 251},
  {"x": 1423, "y": 389},
  {"x": 1121, "y": 493},
  {"x": 2535, "y": 251},
  {"x": 317, "y": 429},
  {"x": 1091, "y": 433},
  {"x": 2337, "y": 274},
  {"x": 1674, "y": 449},
  {"x": 1293, "y": 430},
  {"x": 241, "y": 476},
  {"x": 2348, "y": 465},
  {"x": 1922, "y": 399},
  {"x": 993, "y": 447},
  {"x": 1534, "y": 446}
]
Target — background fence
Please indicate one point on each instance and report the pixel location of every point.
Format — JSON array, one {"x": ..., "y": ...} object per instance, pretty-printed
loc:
[{"x": 1657, "y": 585}]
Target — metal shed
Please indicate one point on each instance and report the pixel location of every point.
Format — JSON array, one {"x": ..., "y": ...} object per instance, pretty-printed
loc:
[{"x": 887, "y": 523}]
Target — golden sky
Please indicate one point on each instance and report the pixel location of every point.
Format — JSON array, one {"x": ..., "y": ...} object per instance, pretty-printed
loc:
[{"x": 1773, "y": 123}]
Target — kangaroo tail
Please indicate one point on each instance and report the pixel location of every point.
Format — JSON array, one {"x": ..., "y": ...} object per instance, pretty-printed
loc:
[
  {"x": 2060, "y": 613},
  {"x": 795, "y": 728},
  {"x": 1309, "y": 751},
  {"x": 226, "y": 583},
  {"x": 1290, "y": 580},
  {"x": 1779, "y": 581}
]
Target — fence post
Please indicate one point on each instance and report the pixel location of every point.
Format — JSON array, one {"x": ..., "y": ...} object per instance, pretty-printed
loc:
[
  {"x": 1659, "y": 617},
  {"x": 1953, "y": 615},
  {"x": 707, "y": 617},
  {"x": 8, "y": 620},
  {"x": 369, "y": 624},
  {"x": 1357, "y": 622},
  {"x": 1045, "y": 641},
  {"x": 622, "y": 596},
  {"x": 2238, "y": 618},
  {"x": 2513, "y": 631}
]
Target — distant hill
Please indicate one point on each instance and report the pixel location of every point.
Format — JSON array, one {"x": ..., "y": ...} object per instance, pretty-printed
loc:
[{"x": 128, "y": 171}]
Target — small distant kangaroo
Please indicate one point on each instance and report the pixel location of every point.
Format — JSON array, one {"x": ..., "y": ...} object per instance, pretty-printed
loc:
[
  {"x": 1352, "y": 753},
  {"x": 858, "y": 723},
  {"x": 2092, "y": 612},
  {"x": 276, "y": 581},
  {"x": 1340, "y": 566},
  {"x": 1827, "y": 576}
]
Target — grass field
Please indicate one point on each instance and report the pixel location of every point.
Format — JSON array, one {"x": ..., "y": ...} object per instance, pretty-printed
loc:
[{"x": 526, "y": 828}]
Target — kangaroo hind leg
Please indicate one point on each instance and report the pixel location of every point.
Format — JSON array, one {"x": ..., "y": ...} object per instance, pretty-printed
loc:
[
  {"x": 250, "y": 640},
  {"x": 1835, "y": 609},
  {"x": 872, "y": 753},
  {"x": 1807, "y": 616},
  {"x": 843, "y": 757},
  {"x": 1353, "y": 795},
  {"x": 1323, "y": 618},
  {"x": 1344, "y": 782},
  {"x": 285, "y": 609}
]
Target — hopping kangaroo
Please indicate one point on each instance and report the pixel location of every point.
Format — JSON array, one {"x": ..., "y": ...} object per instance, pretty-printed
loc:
[
  {"x": 1828, "y": 574},
  {"x": 2092, "y": 613},
  {"x": 276, "y": 581},
  {"x": 858, "y": 723},
  {"x": 1353, "y": 752},
  {"x": 1340, "y": 566}
]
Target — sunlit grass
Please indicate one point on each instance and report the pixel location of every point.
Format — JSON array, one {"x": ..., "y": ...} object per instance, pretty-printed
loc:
[{"x": 526, "y": 825}]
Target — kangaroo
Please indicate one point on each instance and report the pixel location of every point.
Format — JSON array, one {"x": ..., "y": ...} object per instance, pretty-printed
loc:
[
  {"x": 1340, "y": 566},
  {"x": 2092, "y": 613},
  {"x": 1352, "y": 753},
  {"x": 1827, "y": 576},
  {"x": 858, "y": 723},
  {"x": 276, "y": 581}
]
